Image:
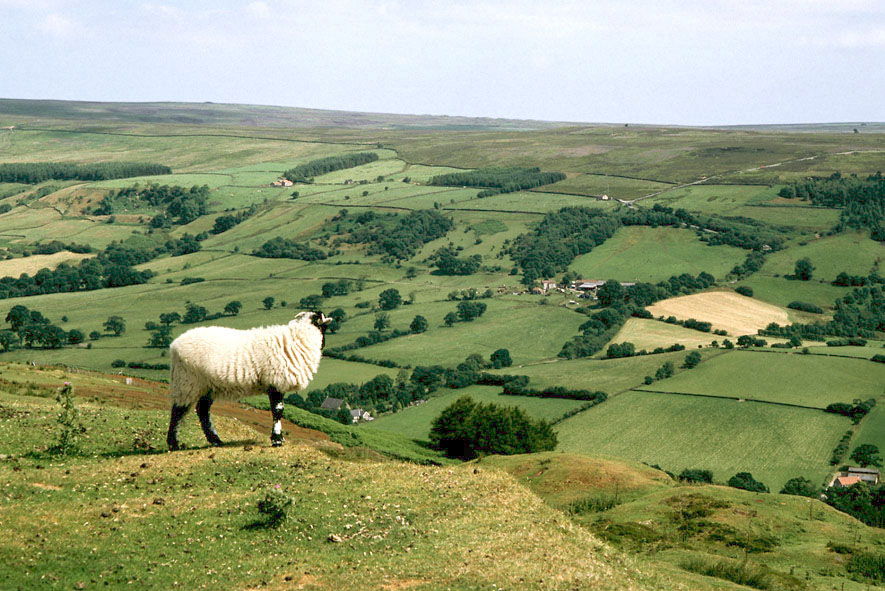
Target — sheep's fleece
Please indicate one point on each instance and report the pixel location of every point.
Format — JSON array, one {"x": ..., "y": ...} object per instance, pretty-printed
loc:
[{"x": 237, "y": 363}]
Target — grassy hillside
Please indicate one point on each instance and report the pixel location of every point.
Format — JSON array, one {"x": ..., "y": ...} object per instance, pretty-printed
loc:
[{"x": 118, "y": 514}]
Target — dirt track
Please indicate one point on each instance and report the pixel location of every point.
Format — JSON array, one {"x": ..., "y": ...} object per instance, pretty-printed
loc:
[{"x": 137, "y": 393}]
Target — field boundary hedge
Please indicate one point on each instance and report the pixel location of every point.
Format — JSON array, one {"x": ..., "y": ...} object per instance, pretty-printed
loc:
[{"x": 734, "y": 398}]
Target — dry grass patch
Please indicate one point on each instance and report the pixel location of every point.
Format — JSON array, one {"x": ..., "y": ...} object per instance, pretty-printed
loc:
[
  {"x": 649, "y": 334},
  {"x": 32, "y": 264},
  {"x": 724, "y": 310}
]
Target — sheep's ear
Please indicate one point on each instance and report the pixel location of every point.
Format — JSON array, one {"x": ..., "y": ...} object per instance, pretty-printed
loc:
[{"x": 324, "y": 320}]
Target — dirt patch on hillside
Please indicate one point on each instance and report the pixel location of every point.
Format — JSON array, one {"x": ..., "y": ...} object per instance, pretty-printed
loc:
[
  {"x": 34, "y": 263},
  {"x": 726, "y": 310}
]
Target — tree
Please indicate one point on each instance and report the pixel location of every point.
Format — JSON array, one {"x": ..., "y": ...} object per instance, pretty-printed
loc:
[
  {"x": 867, "y": 455},
  {"x": 691, "y": 360},
  {"x": 665, "y": 371},
  {"x": 75, "y": 337},
  {"x": 268, "y": 302},
  {"x": 8, "y": 339},
  {"x": 803, "y": 269},
  {"x": 800, "y": 487},
  {"x": 194, "y": 313},
  {"x": 468, "y": 311},
  {"x": 115, "y": 324},
  {"x": 382, "y": 321},
  {"x": 18, "y": 316},
  {"x": 170, "y": 318},
  {"x": 745, "y": 481},
  {"x": 466, "y": 429},
  {"x": 389, "y": 299},
  {"x": 94, "y": 335},
  {"x": 501, "y": 358},
  {"x": 450, "y": 319},
  {"x": 419, "y": 324},
  {"x": 160, "y": 338},
  {"x": 233, "y": 308},
  {"x": 611, "y": 292}
]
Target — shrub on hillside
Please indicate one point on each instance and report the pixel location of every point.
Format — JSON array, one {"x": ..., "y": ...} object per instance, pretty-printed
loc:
[
  {"x": 805, "y": 307},
  {"x": 696, "y": 475},
  {"x": 467, "y": 429},
  {"x": 745, "y": 481},
  {"x": 744, "y": 291}
]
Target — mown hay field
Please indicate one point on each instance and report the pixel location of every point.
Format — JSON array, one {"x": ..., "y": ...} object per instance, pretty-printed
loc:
[
  {"x": 649, "y": 334},
  {"x": 774, "y": 443},
  {"x": 805, "y": 380},
  {"x": 725, "y": 310}
]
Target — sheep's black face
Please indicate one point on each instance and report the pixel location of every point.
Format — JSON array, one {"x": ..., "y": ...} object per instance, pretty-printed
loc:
[{"x": 321, "y": 321}]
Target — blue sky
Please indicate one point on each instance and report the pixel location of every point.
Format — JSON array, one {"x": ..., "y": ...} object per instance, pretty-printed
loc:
[{"x": 681, "y": 62}]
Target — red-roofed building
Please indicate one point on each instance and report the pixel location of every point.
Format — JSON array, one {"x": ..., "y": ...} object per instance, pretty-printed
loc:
[{"x": 845, "y": 481}]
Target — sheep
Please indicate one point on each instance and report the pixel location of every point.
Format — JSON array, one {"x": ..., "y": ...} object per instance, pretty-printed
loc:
[{"x": 215, "y": 363}]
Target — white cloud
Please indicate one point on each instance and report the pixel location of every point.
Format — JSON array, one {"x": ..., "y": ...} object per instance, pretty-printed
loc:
[
  {"x": 57, "y": 25},
  {"x": 260, "y": 9},
  {"x": 869, "y": 38}
]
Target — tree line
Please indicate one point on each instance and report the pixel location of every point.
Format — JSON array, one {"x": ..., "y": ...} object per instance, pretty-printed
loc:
[
  {"x": 36, "y": 172},
  {"x": 862, "y": 200},
  {"x": 498, "y": 180},
  {"x": 572, "y": 231},
  {"x": 304, "y": 173},
  {"x": 860, "y": 313}
]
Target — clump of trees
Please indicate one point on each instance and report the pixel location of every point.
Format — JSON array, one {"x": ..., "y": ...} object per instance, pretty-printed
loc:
[
  {"x": 447, "y": 262},
  {"x": 394, "y": 236},
  {"x": 860, "y": 313},
  {"x": 180, "y": 205},
  {"x": 36, "y": 172},
  {"x": 805, "y": 307},
  {"x": 498, "y": 180},
  {"x": 285, "y": 248},
  {"x": 304, "y": 173},
  {"x": 467, "y": 429},
  {"x": 225, "y": 222},
  {"x": 745, "y": 481}
]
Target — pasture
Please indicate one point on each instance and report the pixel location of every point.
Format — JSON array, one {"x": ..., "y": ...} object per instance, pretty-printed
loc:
[
  {"x": 830, "y": 256},
  {"x": 792, "y": 378},
  {"x": 774, "y": 443},
  {"x": 781, "y": 291},
  {"x": 872, "y": 429},
  {"x": 639, "y": 253},
  {"x": 725, "y": 310}
]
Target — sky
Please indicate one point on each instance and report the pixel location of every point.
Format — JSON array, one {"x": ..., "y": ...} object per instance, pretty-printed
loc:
[{"x": 705, "y": 62}]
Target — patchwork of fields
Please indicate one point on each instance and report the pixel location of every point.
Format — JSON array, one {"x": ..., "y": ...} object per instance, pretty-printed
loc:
[{"x": 675, "y": 422}]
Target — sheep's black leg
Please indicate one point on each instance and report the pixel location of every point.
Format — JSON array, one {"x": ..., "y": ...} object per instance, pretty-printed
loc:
[
  {"x": 172, "y": 437},
  {"x": 276, "y": 407},
  {"x": 203, "y": 406}
]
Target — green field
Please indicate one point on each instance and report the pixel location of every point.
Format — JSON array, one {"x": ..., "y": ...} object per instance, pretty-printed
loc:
[
  {"x": 805, "y": 380},
  {"x": 781, "y": 291},
  {"x": 415, "y": 421},
  {"x": 638, "y": 253},
  {"x": 716, "y": 199},
  {"x": 872, "y": 429},
  {"x": 609, "y": 375},
  {"x": 677, "y": 432},
  {"x": 614, "y": 187},
  {"x": 830, "y": 256}
]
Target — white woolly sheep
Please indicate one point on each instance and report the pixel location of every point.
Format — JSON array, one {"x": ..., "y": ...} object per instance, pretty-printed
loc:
[{"x": 216, "y": 363}]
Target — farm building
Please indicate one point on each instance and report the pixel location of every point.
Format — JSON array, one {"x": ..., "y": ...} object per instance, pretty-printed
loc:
[
  {"x": 845, "y": 481},
  {"x": 868, "y": 475},
  {"x": 361, "y": 415},
  {"x": 331, "y": 403}
]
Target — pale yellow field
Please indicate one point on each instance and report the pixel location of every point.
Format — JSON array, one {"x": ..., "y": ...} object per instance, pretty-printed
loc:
[
  {"x": 32, "y": 264},
  {"x": 649, "y": 334},
  {"x": 726, "y": 310}
]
